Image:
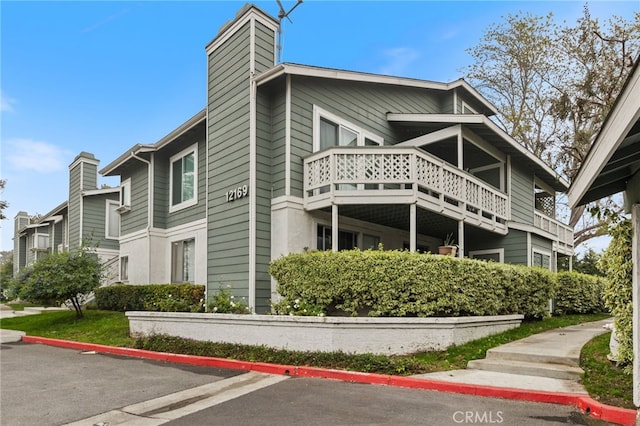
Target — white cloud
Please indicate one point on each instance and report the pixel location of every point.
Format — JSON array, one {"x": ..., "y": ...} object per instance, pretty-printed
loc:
[
  {"x": 399, "y": 60},
  {"x": 6, "y": 103},
  {"x": 41, "y": 157}
]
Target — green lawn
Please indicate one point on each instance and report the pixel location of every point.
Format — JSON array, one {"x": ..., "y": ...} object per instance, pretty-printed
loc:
[{"x": 603, "y": 381}]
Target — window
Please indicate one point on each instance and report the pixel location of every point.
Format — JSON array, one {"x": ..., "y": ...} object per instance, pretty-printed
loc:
[
  {"x": 112, "y": 222},
  {"x": 346, "y": 240},
  {"x": 125, "y": 197},
  {"x": 370, "y": 242},
  {"x": 330, "y": 130},
  {"x": 183, "y": 179},
  {"x": 495, "y": 255},
  {"x": 124, "y": 268},
  {"x": 542, "y": 260},
  {"x": 182, "y": 261},
  {"x": 40, "y": 241}
]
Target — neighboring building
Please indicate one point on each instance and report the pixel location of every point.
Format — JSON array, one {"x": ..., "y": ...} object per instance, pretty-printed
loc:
[
  {"x": 613, "y": 166},
  {"x": 287, "y": 157},
  {"x": 88, "y": 217}
]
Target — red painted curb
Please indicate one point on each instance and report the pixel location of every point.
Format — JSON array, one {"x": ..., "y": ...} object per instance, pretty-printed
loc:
[{"x": 586, "y": 404}]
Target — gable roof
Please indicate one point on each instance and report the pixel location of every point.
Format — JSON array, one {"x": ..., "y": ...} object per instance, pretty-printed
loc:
[
  {"x": 490, "y": 131},
  {"x": 111, "y": 168},
  {"x": 337, "y": 74},
  {"x": 614, "y": 157}
]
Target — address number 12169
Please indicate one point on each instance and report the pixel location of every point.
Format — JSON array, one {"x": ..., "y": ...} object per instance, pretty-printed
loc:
[{"x": 237, "y": 193}]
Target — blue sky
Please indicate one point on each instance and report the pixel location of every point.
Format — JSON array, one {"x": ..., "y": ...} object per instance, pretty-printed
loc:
[{"x": 103, "y": 76}]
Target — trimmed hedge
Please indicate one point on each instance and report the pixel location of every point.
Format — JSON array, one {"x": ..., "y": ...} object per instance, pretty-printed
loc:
[
  {"x": 579, "y": 294},
  {"x": 151, "y": 297},
  {"x": 617, "y": 264},
  {"x": 401, "y": 283}
]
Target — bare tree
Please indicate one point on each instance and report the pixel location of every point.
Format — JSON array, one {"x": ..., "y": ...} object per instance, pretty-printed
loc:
[{"x": 554, "y": 85}]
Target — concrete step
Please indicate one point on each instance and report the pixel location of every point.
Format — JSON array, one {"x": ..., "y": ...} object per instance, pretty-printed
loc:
[
  {"x": 542, "y": 356},
  {"x": 524, "y": 368}
]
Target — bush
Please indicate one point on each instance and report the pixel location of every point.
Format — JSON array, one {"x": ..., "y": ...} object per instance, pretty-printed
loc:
[
  {"x": 62, "y": 277},
  {"x": 579, "y": 294},
  {"x": 400, "y": 283},
  {"x": 617, "y": 264},
  {"x": 223, "y": 302},
  {"x": 151, "y": 297}
]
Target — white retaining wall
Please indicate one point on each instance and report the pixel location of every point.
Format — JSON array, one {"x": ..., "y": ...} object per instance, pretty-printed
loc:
[{"x": 324, "y": 334}]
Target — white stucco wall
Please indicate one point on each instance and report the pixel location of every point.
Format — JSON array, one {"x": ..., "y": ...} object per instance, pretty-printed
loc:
[{"x": 323, "y": 334}]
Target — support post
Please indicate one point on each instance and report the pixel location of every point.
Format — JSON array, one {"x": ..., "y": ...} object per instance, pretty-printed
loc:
[
  {"x": 334, "y": 227},
  {"x": 413, "y": 228},
  {"x": 461, "y": 239}
]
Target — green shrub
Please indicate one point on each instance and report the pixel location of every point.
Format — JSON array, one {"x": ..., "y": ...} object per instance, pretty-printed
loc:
[
  {"x": 223, "y": 302},
  {"x": 62, "y": 277},
  {"x": 579, "y": 294},
  {"x": 400, "y": 283},
  {"x": 151, "y": 297},
  {"x": 617, "y": 264}
]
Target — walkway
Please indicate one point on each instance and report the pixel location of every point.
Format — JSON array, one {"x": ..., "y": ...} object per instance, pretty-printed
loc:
[{"x": 548, "y": 361}]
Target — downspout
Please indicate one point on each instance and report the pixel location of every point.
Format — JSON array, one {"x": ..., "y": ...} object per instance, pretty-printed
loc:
[{"x": 149, "y": 208}]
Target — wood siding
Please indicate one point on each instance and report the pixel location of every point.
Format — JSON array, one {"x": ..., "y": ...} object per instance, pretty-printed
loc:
[
  {"x": 162, "y": 218},
  {"x": 264, "y": 59},
  {"x": 75, "y": 199},
  {"x": 521, "y": 195},
  {"x": 94, "y": 220},
  {"x": 228, "y": 164},
  {"x": 136, "y": 219},
  {"x": 363, "y": 104}
]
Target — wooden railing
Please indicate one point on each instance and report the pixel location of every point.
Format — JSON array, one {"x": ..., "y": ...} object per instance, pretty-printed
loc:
[
  {"x": 400, "y": 171},
  {"x": 562, "y": 232}
]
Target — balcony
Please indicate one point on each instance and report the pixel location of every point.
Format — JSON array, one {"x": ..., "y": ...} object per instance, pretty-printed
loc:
[
  {"x": 562, "y": 234},
  {"x": 402, "y": 175}
]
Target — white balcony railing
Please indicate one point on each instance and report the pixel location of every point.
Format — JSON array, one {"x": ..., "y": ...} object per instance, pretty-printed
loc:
[
  {"x": 401, "y": 174},
  {"x": 563, "y": 233}
]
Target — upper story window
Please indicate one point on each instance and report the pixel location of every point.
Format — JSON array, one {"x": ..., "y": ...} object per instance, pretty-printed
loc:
[
  {"x": 330, "y": 130},
  {"x": 40, "y": 241},
  {"x": 184, "y": 178},
  {"x": 125, "y": 196},
  {"x": 112, "y": 222}
]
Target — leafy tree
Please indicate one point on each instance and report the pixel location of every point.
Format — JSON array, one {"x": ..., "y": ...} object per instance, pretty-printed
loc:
[
  {"x": 64, "y": 276},
  {"x": 554, "y": 85},
  {"x": 3, "y": 204},
  {"x": 6, "y": 272},
  {"x": 587, "y": 264}
]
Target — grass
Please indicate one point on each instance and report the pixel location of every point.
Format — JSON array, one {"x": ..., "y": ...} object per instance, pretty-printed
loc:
[
  {"x": 603, "y": 380},
  {"x": 103, "y": 327}
]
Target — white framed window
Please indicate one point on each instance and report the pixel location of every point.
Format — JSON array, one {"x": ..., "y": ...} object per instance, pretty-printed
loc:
[
  {"x": 330, "y": 130},
  {"x": 496, "y": 255},
  {"x": 40, "y": 241},
  {"x": 183, "y": 179},
  {"x": 112, "y": 222},
  {"x": 124, "y": 269},
  {"x": 541, "y": 258},
  {"x": 125, "y": 196},
  {"x": 183, "y": 261}
]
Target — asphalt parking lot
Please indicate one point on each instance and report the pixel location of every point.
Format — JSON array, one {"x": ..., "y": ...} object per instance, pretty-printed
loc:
[{"x": 47, "y": 385}]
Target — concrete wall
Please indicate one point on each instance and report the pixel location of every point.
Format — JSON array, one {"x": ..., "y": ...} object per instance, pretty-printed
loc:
[{"x": 323, "y": 334}]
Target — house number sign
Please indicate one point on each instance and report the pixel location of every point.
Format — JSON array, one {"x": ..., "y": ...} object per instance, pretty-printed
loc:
[{"x": 237, "y": 193}]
